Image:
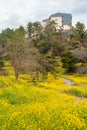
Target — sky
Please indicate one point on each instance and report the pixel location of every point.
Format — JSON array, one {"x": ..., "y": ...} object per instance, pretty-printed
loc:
[{"x": 14, "y": 13}]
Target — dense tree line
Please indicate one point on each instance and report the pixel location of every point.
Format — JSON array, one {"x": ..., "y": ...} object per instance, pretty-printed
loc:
[{"x": 37, "y": 51}]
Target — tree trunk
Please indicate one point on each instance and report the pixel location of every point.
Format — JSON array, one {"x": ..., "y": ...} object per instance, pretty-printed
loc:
[{"x": 16, "y": 76}]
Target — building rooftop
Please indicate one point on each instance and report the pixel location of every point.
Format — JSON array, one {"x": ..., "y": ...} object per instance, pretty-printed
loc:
[
  {"x": 45, "y": 20},
  {"x": 60, "y": 14}
]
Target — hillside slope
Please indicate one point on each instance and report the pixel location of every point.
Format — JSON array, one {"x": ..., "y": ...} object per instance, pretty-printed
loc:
[{"x": 51, "y": 105}]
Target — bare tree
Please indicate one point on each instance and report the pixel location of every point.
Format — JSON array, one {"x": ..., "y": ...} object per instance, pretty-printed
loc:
[{"x": 22, "y": 54}]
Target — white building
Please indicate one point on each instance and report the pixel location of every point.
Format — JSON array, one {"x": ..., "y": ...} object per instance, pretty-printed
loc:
[
  {"x": 44, "y": 22},
  {"x": 62, "y": 20}
]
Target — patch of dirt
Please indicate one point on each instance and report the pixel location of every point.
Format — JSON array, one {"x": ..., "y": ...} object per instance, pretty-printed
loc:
[
  {"x": 81, "y": 98},
  {"x": 68, "y": 82}
]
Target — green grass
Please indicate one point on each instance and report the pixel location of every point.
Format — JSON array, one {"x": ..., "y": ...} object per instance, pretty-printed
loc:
[
  {"x": 51, "y": 105},
  {"x": 80, "y": 85}
]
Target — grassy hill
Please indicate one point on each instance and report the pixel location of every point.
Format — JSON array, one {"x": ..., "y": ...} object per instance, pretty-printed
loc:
[{"x": 50, "y": 105}]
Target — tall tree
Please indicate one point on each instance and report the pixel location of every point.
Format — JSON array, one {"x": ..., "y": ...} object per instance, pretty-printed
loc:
[
  {"x": 6, "y": 34},
  {"x": 22, "y": 54},
  {"x": 29, "y": 29},
  {"x": 50, "y": 30},
  {"x": 79, "y": 32},
  {"x": 68, "y": 61},
  {"x": 37, "y": 30}
]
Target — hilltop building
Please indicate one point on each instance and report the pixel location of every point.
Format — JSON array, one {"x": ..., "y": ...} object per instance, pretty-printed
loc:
[{"x": 62, "y": 20}]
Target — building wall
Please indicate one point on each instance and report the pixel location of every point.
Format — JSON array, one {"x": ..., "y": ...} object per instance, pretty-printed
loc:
[
  {"x": 66, "y": 27},
  {"x": 43, "y": 24},
  {"x": 58, "y": 20},
  {"x": 62, "y": 21}
]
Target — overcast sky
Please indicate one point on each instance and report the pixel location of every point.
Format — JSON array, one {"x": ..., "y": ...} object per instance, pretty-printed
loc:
[{"x": 14, "y": 13}]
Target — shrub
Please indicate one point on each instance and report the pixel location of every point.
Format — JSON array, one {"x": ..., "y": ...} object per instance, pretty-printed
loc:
[
  {"x": 68, "y": 61},
  {"x": 1, "y": 64}
]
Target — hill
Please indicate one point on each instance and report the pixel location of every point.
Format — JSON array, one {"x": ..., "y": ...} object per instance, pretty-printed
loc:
[{"x": 50, "y": 105}]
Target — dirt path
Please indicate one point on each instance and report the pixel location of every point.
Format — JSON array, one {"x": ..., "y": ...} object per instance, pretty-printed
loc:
[
  {"x": 68, "y": 82},
  {"x": 81, "y": 98}
]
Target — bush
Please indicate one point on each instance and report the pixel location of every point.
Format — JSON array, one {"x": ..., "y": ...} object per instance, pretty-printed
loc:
[
  {"x": 1, "y": 64},
  {"x": 68, "y": 61},
  {"x": 43, "y": 46}
]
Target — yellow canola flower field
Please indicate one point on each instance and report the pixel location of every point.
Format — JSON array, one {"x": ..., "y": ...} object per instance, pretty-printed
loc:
[{"x": 50, "y": 105}]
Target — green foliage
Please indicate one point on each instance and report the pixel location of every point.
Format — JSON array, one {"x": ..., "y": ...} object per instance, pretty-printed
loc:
[
  {"x": 21, "y": 30},
  {"x": 9, "y": 34},
  {"x": 34, "y": 29},
  {"x": 1, "y": 63},
  {"x": 57, "y": 48},
  {"x": 48, "y": 63},
  {"x": 6, "y": 34},
  {"x": 29, "y": 29},
  {"x": 68, "y": 60},
  {"x": 50, "y": 31},
  {"x": 79, "y": 32},
  {"x": 43, "y": 46},
  {"x": 79, "y": 92}
]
